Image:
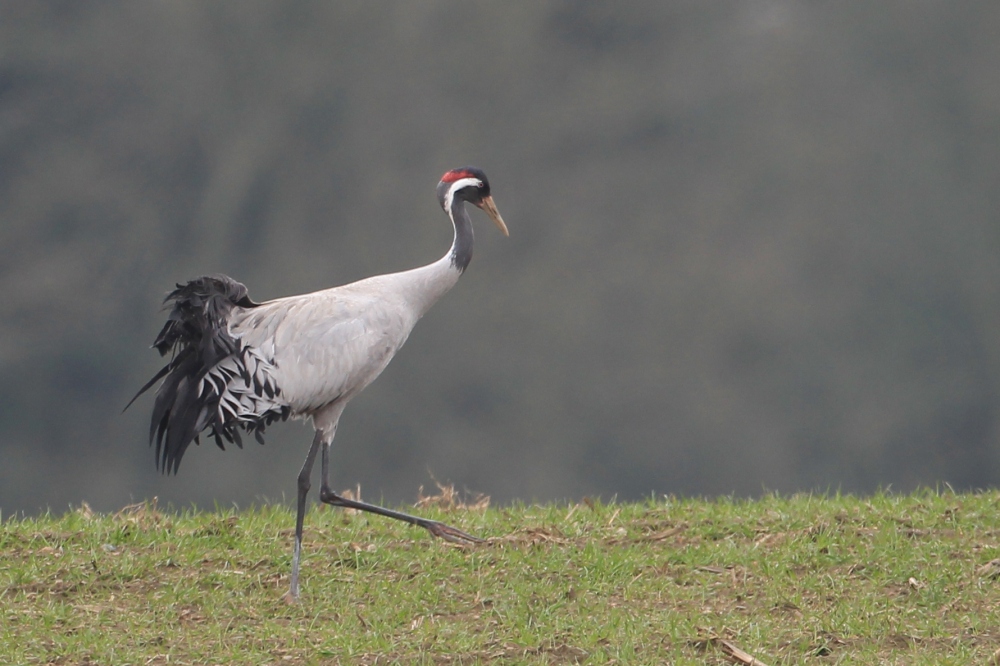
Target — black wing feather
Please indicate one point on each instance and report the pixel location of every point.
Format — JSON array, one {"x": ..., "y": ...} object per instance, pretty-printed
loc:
[{"x": 197, "y": 336}]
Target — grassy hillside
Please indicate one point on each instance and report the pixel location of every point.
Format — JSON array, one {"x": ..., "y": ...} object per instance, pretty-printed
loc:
[{"x": 887, "y": 579}]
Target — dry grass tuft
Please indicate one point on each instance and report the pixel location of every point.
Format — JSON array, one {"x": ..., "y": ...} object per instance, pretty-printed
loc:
[{"x": 449, "y": 499}]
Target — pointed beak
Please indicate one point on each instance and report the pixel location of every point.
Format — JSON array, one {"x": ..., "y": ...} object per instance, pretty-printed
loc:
[{"x": 491, "y": 209}]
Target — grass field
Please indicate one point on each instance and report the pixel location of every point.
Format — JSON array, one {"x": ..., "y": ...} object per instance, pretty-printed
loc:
[{"x": 888, "y": 579}]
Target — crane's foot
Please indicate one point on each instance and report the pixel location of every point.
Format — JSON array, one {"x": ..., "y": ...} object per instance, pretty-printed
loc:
[{"x": 450, "y": 534}]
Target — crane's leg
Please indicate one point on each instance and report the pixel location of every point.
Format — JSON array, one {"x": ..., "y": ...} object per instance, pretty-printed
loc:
[
  {"x": 436, "y": 528},
  {"x": 304, "y": 474}
]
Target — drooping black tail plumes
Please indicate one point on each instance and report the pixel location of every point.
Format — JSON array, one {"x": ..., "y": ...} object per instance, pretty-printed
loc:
[{"x": 212, "y": 380}]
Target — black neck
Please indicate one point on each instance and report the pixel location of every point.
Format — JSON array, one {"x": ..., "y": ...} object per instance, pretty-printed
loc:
[{"x": 461, "y": 249}]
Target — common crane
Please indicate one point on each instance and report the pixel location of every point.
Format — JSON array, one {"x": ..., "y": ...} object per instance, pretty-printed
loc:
[{"x": 240, "y": 365}]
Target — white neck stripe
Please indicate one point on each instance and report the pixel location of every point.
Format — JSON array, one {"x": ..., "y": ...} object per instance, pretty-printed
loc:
[{"x": 455, "y": 187}]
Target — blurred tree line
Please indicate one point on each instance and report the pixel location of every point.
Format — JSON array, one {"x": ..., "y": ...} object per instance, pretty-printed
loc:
[{"x": 753, "y": 245}]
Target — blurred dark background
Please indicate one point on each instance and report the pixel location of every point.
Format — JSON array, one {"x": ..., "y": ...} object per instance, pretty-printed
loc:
[{"x": 754, "y": 246}]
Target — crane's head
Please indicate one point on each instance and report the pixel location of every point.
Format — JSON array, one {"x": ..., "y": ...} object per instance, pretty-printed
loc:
[{"x": 469, "y": 184}]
